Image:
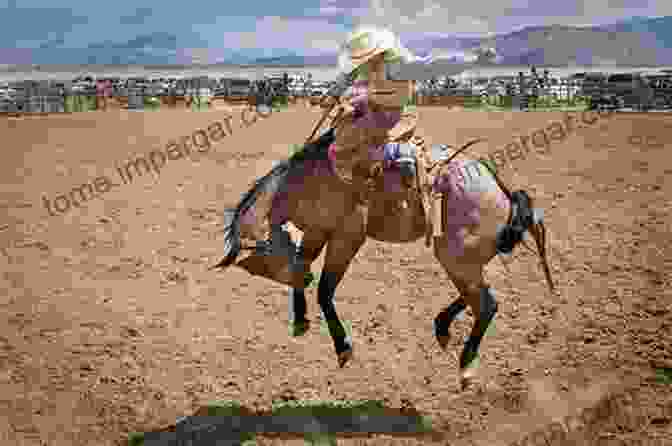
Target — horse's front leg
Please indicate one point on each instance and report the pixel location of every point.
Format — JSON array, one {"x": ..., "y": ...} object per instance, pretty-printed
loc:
[
  {"x": 310, "y": 249},
  {"x": 340, "y": 252}
]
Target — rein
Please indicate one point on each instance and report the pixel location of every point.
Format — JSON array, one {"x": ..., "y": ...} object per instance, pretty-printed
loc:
[
  {"x": 336, "y": 92},
  {"x": 457, "y": 152}
]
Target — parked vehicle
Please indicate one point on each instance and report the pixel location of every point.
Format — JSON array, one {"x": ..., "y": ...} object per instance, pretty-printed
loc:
[
  {"x": 492, "y": 89},
  {"x": 239, "y": 88},
  {"x": 593, "y": 86},
  {"x": 562, "y": 89},
  {"x": 296, "y": 88},
  {"x": 7, "y": 93},
  {"x": 220, "y": 92},
  {"x": 660, "y": 81},
  {"x": 662, "y": 90},
  {"x": 319, "y": 88},
  {"x": 621, "y": 83},
  {"x": 632, "y": 89}
]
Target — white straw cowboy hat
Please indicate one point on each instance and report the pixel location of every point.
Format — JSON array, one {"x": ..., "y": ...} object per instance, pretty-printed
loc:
[{"x": 366, "y": 42}]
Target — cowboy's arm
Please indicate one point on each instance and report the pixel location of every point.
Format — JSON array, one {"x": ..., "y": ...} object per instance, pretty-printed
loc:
[
  {"x": 356, "y": 131},
  {"x": 368, "y": 133}
]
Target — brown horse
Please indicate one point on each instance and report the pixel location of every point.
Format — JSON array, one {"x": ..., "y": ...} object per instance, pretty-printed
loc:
[{"x": 479, "y": 221}]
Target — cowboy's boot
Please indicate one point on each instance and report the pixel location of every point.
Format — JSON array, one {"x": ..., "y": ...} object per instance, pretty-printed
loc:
[
  {"x": 278, "y": 242},
  {"x": 277, "y": 259}
]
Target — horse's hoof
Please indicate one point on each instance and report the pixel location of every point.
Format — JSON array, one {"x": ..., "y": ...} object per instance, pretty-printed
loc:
[
  {"x": 443, "y": 341},
  {"x": 344, "y": 357},
  {"x": 298, "y": 328}
]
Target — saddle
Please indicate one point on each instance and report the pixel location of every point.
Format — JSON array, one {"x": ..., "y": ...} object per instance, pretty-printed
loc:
[{"x": 429, "y": 162}]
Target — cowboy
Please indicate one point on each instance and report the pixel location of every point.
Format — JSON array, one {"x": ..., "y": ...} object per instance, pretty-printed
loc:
[
  {"x": 374, "y": 124},
  {"x": 372, "y": 131}
]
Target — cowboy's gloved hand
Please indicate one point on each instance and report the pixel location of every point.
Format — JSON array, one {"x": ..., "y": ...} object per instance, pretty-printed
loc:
[
  {"x": 403, "y": 155},
  {"x": 407, "y": 152}
]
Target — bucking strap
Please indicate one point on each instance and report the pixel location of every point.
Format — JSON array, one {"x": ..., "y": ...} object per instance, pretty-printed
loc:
[{"x": 430, "y": 204}]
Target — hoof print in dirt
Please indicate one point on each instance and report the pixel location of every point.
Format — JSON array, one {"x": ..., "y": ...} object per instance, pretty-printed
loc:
[
  {"x": 344, "y": 357},
  {"x": 469, "y": 383}
]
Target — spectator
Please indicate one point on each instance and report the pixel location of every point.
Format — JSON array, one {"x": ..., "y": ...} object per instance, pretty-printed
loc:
[
  {"x": 645, "y": 94},
  {"x": 307, "y": 89},
  {"x": 103, "y": 91},
  {"x": 522, "y": 88},
  {"x": 536, "y": 84}
]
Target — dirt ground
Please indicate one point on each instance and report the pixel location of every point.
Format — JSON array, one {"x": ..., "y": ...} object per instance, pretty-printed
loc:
[{"x": 110, "y": 322}]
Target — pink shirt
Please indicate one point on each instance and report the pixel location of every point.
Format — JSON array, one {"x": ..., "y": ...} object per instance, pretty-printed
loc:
[{"x": 365, "y": 118}]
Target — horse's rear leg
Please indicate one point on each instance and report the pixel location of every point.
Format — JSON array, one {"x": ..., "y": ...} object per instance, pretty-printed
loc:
[
  {"x": 445, "y": 318},
  {"x": 480, "y": 297},
  {"x": 466, "y": 272},
  {"x": 312, "y": 244}
]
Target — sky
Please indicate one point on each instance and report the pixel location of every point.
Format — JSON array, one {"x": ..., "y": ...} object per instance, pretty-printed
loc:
[{"x": 215, "y": 29}]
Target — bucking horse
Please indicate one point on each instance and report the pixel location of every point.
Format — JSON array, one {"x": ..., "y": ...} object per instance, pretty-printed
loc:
[{"x": 479, "y": 218}]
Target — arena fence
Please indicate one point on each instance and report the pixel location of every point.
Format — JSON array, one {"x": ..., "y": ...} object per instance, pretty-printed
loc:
[
  {"x": 564, "y": 94},
  {"x": 43, "y": 97},
  {"x": 196, "y": 94}
]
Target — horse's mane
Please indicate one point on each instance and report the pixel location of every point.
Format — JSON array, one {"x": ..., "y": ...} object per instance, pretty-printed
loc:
[
  {"x": 316, "y": 150},
  {"x": 269, "y": 184}
]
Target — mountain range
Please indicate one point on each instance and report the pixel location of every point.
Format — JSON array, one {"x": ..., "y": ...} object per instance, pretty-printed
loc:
[{"x": 638, "y": 41}]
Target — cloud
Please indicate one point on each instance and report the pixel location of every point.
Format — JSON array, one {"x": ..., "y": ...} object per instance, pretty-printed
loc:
[
  {"x": 218, "y": 29},
  {"x": 351, "y": 8},
  {"x": 494, "y": 16},
  {"x": 315, "y": 36}
]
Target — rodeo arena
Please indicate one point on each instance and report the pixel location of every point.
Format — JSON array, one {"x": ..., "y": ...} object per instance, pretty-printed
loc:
[
  {"x": 522, "y": 91},
  {"x": 503, "y": 277}
]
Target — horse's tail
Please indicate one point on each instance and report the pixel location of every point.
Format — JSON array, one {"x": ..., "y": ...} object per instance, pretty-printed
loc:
[
  {"x": 232, "y": 243},
  {"x": 268, "y": 184},
  {"x": 538, "y": 231},
  {"x": 536, "y": 228}
]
